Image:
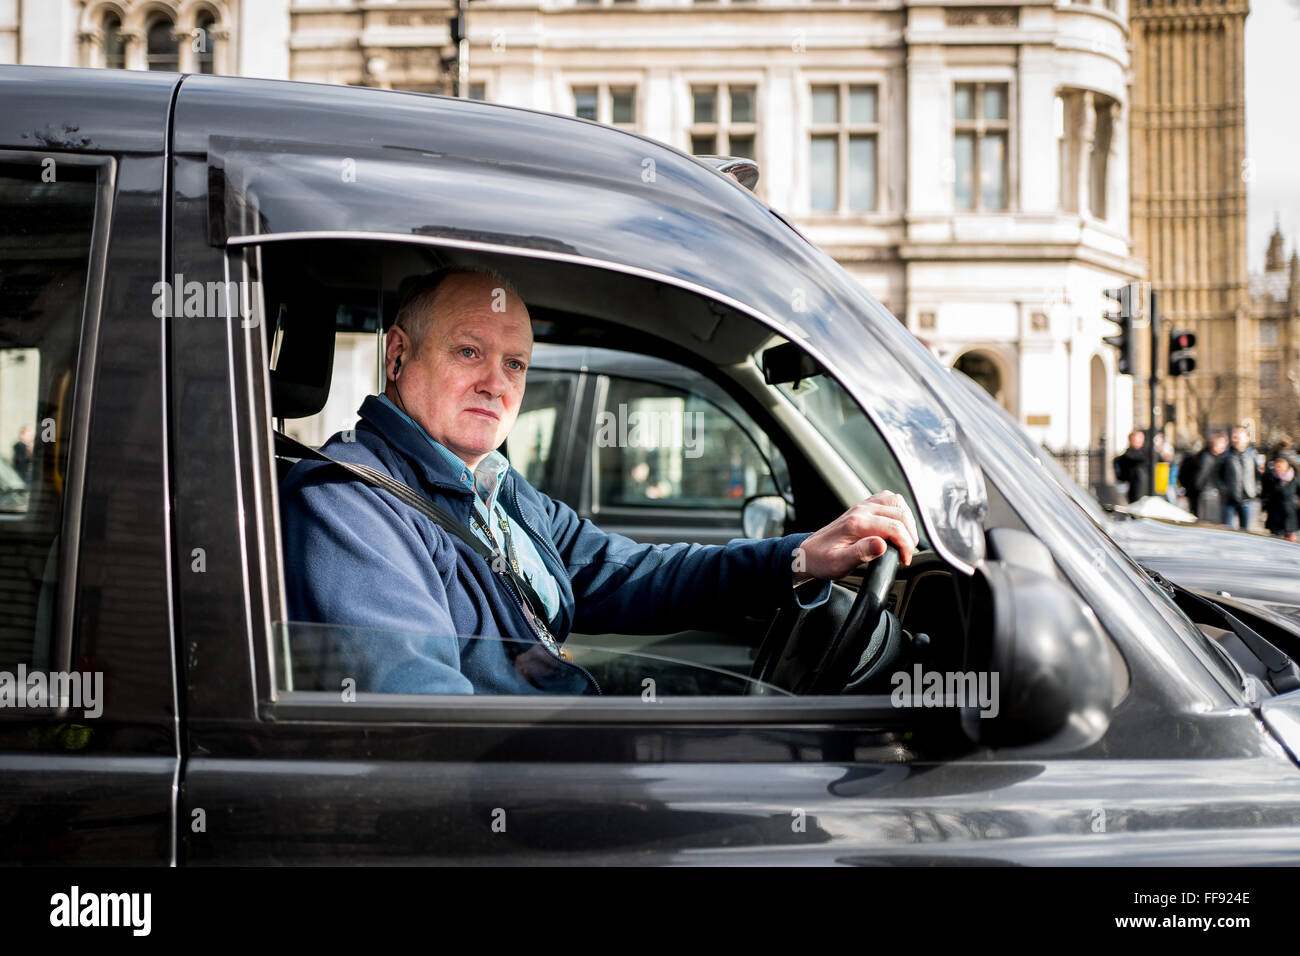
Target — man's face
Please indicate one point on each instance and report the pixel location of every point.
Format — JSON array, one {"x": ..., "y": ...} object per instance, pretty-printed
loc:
[
  {"x": 1239, "y": 441},
  {"x": 1220, "y": 445},
  {"x": 1137, "y": 440},
  {"x": 465, "y": 385}
]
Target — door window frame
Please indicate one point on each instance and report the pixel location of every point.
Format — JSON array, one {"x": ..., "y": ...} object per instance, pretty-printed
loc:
[
  {"x": 252, "y": 404},
  {"x": 80, "y": 404}
]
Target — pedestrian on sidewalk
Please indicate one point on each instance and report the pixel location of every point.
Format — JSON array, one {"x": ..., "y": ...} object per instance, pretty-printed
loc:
[
  {"x": 1198, "y": 470},
  {"x": 1131, "y": 466},
  {"x": 1238, "y": 481},
  {"x": 1280, "y": 499}
]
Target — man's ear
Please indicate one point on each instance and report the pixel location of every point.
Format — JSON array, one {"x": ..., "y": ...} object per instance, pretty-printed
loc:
[{"x": 396, "y": 345}]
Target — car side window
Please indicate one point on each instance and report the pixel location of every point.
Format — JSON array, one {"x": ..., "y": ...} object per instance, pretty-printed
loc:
[
  {"x": 659, "y": 446},
  {"x": 534, "y": 443},
  {"x": 45, "y": 241},
  {"x": 362, "y": 610}
]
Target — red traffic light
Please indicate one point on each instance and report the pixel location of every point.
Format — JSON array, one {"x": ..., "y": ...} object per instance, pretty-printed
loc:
[{"x": 1181, "y": 359}]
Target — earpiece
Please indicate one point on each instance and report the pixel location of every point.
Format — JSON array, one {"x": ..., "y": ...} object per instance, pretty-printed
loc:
[{"x": 397, "y": 368}]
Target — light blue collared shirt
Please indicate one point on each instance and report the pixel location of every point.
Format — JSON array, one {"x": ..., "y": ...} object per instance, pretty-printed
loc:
[{"x": 485, "y": 482}]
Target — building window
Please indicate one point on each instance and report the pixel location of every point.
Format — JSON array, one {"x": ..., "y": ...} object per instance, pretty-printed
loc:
[
  {"x": 622, "y": 106},
  {"x": 984, "y": 370},
  {"x": 724, "y": 121},
  {"x": 844, "y": 137},
  {"x": 478, "y": 91},
  {"x": 585, "y": 99},
  {"x": 982, "y": 132},
  {"x": 612, "y": 105},
  {"x": 1268, "y": 332},
  {"x": 1267, "y": 378},
  {"x": 1099, "y": 162},
  {"x": 114, "y": 43},
  {"x": 1065, "y": 135},
  {"x": 161, "y": 52},
  {"x": 1085, "y": 129},
  {"x": 205, "y": 43}
]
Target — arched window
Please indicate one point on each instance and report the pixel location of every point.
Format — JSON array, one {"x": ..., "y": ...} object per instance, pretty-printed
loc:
[
  {"x": 114, "y": 44},
  {"x": 982, "y": 368},
  {"x": 205, "y": 43},
  {"x": 160, "y": 48}
]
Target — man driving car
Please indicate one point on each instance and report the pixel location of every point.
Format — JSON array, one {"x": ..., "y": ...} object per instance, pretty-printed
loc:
[{"x": 481, "y": 602}]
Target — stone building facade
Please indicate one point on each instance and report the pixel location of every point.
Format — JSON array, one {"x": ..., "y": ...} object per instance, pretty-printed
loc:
[
  {"x": 240, "y": 37},
  {"x": 1275, "y": 317},
  {"x": 1190, "y": 175},
  {"x": 967, "y": 162}
]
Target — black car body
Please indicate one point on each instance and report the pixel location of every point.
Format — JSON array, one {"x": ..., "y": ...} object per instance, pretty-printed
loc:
[{"x": 149, "y": 551}]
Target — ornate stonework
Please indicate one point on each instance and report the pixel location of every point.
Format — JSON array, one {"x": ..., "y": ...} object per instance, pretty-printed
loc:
[
  {"x": 1190, "y": 175},
  {"x": 981, "y": 16}
]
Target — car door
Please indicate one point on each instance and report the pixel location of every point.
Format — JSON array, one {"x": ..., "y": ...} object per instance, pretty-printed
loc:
[
  {"x": 84, "y": 570},
  {"x": 278, "y": 773}
]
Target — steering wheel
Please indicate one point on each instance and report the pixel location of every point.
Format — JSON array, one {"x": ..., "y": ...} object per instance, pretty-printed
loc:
[{"x": 795, "y": 655}]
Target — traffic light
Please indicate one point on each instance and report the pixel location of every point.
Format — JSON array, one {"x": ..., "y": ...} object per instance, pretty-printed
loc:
[
  {"x": 1181, "y": 359},
  {"x": 456, "y": 24},
  {"x": 1120, "y": 311}
]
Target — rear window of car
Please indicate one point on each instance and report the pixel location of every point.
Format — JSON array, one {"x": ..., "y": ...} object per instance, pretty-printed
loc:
[{"x": 47, "y": 213}]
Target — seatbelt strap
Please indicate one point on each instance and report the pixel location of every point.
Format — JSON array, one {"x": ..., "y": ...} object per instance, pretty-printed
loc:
[{"x": 497, "y": 560}]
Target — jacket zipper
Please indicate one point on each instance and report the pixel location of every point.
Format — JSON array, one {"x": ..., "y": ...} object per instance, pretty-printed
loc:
[
  {"x": 514, "y": 494},
  {"x": 523, "y": 516}
]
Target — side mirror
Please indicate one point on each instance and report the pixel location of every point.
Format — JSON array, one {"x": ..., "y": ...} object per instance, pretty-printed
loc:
[
  {"x": 764, "y": 516},
  {"x": 1053, "y": 664}
]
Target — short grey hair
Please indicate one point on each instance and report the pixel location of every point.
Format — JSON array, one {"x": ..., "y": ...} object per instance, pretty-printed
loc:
[{"x": 416, "y": 315}]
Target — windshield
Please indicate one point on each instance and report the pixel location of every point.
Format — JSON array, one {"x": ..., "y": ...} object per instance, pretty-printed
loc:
[{"x": 837, "y": 417}]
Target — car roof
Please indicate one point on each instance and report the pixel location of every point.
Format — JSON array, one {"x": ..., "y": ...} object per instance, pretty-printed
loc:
[{"x": 83, "y": 110}]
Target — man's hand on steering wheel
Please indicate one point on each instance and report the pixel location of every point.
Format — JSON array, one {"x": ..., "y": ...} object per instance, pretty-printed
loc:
[
  {"x": 807, "y": 652},
  {"x": 861, "y": 534}
]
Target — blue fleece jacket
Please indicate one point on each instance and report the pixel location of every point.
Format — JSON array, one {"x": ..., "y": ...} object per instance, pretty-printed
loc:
[{"x": 402, "y": 606}]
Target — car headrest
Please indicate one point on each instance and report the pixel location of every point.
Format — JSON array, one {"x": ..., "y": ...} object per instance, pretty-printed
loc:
[{"x": 300, "y": 380}]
